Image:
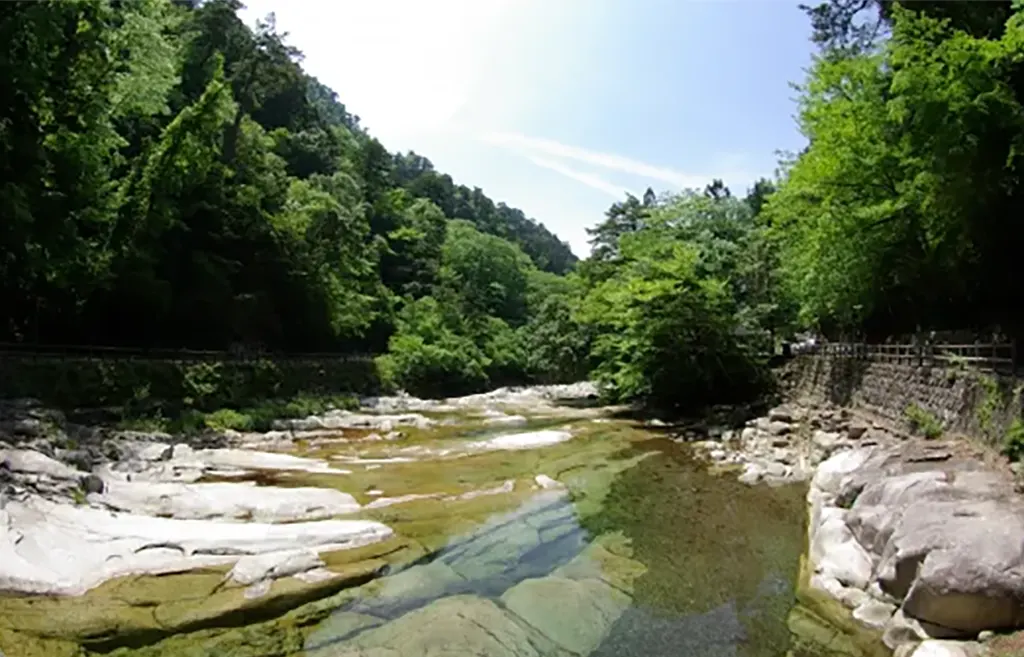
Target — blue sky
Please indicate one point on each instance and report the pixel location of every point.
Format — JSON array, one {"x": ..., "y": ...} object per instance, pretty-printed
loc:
[{"x": 559, "y": 107}]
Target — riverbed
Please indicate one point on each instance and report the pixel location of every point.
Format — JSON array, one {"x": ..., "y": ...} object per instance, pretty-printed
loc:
[{"x": 519, "y": 523}]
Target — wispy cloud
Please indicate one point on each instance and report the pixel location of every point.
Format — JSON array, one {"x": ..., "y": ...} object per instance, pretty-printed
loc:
[
  {"x": 534, "y": 147},
  {"x": 588, "y": 179}
]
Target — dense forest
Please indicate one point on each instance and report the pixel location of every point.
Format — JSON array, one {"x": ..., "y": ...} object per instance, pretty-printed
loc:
[{"x": 173, "y": 178}]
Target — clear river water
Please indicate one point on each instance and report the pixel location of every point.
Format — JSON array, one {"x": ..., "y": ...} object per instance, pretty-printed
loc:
[{"x": 586, "y": 533}]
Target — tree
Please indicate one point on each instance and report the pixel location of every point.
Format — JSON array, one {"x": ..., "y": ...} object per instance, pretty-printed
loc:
[
  {"x": 486, "y": 273},
  {"x": 663, "y": 333},
  {"x": 621, "y": 219},
  {"x": 898, "y": 214},
  {"x": 854, "y": 27}
]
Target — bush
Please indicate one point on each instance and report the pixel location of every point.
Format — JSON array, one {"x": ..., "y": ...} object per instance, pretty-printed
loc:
[
  {"x": 453, "y": 367},
  {"x": 923, "y": 422},
  {"x": 143, "y": 387},
  {"x": 227, "y": 418},
  {"x": 1013, "y": 442}
]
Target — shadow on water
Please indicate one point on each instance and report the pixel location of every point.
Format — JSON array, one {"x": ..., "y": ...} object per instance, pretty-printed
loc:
[{"x": 722, "y": 560}]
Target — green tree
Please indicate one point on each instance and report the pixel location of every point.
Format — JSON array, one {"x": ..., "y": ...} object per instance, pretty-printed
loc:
[
  {"x": 663, "y": 333},
  {"x": 486, "y": 273}
]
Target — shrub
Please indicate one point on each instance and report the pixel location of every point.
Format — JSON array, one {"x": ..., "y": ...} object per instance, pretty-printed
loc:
[
  {"x": 453, "y": 366},
  {"x": 227, "y": 418},
  {"x": 923, "y": 422},
  {"x": 1013, "y": 442}
]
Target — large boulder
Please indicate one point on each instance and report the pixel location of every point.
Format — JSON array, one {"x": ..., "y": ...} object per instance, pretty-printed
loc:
[
  {"x": 836, "y": 552},
  {"x": 959, "y": 564},
  {"x": 945, "y": 538}
]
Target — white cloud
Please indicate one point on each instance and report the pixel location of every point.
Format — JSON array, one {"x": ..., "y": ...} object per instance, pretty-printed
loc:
[
  {"x": 613, "y": 190},
  {"x": 540, "y": 151},
  {"x": 405, "y": 66}
]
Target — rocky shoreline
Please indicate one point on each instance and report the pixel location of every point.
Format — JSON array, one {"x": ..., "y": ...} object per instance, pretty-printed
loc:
[{"x": 919, "y": 540}]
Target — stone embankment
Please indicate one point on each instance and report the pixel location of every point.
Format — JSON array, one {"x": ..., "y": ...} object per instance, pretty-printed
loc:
[{"x": 920, "y": 540}]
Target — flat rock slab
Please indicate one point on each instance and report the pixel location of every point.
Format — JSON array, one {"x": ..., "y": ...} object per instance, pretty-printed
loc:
[
  {"x": 187, "y": 465},
  {"x": 50, "y": 548},
  {"x": 224, "y": 501},
  {"x": 26, "y": 461},
  {"x": 525, "y": 440}
]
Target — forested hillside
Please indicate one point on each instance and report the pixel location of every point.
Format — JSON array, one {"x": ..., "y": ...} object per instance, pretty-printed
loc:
[{"x": 171, "y": 178}]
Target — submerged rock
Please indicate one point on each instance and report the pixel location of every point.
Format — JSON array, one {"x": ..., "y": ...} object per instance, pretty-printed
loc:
[
  {"x": 575, "y": 614},
  {"x": 458, "y": 625}
]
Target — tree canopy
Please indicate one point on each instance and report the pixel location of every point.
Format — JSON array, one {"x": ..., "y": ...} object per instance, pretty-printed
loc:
[{"x": 173, "y": 177}]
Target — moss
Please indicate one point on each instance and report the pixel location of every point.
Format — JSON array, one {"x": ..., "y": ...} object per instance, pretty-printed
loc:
[{"x": 17, "y": 644}]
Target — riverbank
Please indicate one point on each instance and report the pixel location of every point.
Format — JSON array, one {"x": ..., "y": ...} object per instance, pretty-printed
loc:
[{"x": 919, "y": 542}]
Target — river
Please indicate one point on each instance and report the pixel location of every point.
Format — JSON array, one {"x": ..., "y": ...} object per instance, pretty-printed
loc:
[{"x": 520, "y": 527}]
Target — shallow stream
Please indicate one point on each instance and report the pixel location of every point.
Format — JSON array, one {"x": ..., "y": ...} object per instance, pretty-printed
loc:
[{"x": 626, "y": 547}]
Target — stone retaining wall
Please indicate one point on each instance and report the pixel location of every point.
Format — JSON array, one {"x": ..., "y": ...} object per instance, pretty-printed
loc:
[{"x": 963, "y": 400}]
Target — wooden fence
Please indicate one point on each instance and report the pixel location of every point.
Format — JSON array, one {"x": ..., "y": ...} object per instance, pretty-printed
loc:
[
  {"x": 93, "y": 352},
  {"x": 1000, "y": 356}
]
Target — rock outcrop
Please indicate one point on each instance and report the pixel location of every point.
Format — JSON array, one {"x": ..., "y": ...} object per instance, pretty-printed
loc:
[
  {"x": 938, "y": 536},
  {"x": 62, "y": 549},
  {"x": 918, "y": 539}
]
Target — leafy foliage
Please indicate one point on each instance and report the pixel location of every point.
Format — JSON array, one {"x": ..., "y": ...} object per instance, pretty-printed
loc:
[
  {"x": 923, "y": 422},
  {"x": 174, "y": 178},
  {"x": 668, "y": 313},
  {"x": 900, "y": 213}
]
